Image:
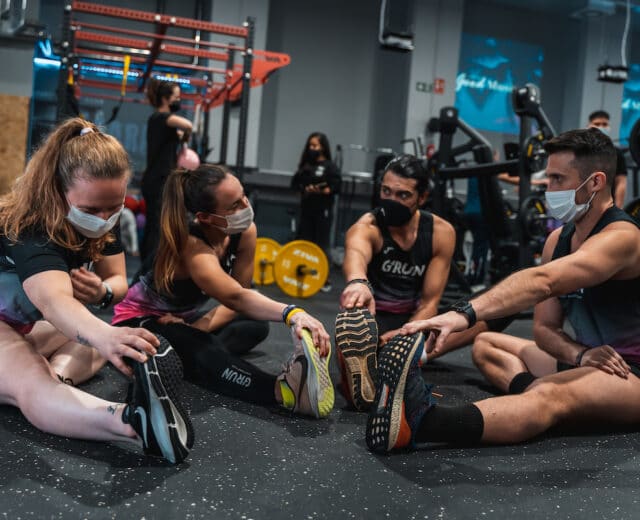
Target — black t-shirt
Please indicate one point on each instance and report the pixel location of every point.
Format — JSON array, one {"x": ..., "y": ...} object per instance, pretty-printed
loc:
[
  {"x": 323, "y": 173},
  {"x": 34, "y": 254},
  {"x": 162, "y": 148}
]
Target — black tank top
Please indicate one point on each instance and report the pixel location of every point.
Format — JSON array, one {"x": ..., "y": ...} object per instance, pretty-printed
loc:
[
  {"x": 608, "y": 313},
  {"x": 185, "y": 294},
  {"x": 396, "y": 275}
]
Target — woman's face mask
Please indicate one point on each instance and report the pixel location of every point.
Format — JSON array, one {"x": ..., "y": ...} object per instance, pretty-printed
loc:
[
  {"x": 237, "y": 222},
  {"x": 562, "y": 204},
  {"x": 91, "y": 226}
]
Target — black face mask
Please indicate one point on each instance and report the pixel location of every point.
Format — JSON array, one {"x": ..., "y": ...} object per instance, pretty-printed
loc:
[
  {"x": 394, "y": 213},
  {"x": 313, "y": 155},
  {"x": 174, "y": 106}
]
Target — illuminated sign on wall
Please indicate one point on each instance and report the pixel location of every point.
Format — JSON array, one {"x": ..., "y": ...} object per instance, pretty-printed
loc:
[
  {"x": 489, "y": 69},
  {"x": 630, "y": 103}
]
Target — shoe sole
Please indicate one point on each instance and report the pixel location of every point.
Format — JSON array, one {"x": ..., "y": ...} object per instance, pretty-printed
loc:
[
  {"x": 386, "y": 426},
  {"x": 356, "y": 342},
  {"x": 161, "y": 377},
  {"x": 320, "y": 387}
]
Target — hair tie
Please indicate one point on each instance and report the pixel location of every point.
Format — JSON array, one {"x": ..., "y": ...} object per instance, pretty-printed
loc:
[{"x": 86, "y": 130}]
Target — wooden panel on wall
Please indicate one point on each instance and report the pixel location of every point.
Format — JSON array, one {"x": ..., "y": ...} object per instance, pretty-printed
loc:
[{"x": 14, "y": 115}]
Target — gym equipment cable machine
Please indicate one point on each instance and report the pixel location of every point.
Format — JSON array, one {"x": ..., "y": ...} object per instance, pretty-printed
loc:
[{"x": 513, "y": 247}]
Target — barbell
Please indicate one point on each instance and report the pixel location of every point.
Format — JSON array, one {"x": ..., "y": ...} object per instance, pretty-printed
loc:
[{"x": 300, "y": 268}]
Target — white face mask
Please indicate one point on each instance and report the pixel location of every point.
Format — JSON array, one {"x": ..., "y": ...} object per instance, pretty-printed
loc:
[
  {"x": 237, "y": 222},
  {"x": 562, "y": 204},
  {"x": 91, "y": 226}
]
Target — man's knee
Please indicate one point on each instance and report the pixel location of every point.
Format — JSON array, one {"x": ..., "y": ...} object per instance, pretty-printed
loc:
[
  {"x": 554, "y": 400},
  {"x": 483, "y": 345}
]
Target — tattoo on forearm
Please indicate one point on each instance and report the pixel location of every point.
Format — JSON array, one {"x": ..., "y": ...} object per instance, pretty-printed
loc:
[
  {"x": 82, "y": 340},
  {"x": 112, "y": 408}
]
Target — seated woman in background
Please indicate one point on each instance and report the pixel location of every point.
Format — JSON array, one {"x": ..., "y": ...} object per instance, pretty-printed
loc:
[{"x": 206, "y": 250}]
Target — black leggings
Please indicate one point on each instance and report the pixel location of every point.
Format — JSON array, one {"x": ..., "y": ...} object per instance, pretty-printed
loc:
[{"x": 209, "y": 360}]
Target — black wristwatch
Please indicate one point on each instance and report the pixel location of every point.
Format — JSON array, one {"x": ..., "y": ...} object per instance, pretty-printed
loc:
[
  {"x": 107, "y": 298},
  {"x": 464, "y": 307}
]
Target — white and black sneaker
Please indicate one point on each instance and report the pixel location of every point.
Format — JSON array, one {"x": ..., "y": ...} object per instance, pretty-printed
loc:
[{"x": 153, "y": 405}]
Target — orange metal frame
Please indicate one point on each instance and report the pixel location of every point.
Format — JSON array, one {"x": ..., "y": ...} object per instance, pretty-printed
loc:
[{"x": 111, "y": 43}]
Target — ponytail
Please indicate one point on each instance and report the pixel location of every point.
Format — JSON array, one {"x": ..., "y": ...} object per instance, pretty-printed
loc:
[
  {"x": 186, "y": 192},
  {"x": 174, "y": 230}
]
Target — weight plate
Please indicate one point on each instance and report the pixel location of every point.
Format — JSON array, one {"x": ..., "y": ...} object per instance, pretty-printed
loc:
[
  {"x": 633, "y": 209},
  {"x": 533, "y": 218},
  {"x": 301, "y": 269},
  {"x": 266, "y": 252}
]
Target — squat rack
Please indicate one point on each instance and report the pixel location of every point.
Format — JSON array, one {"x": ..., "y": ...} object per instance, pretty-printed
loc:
[{"x": 104, "y": 56}]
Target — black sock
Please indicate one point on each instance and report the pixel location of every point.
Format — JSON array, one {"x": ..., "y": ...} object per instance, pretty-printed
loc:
[
  {"x": 520, "y": 382},
  {"x": 456, "y": 425}
]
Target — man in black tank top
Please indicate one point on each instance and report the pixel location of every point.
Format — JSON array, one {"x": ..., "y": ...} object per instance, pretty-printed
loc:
[
  {"x": 590, "y": 276},
  {"x": 396, "y": 265}
]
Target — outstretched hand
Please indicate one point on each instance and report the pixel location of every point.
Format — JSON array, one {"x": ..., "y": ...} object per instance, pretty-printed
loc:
[
  {"x": 437, "y": 328},
  {"x": 320, "y": 336},
  {"x": 121, "y": 342},
  {"x": 356, "y": 295}
]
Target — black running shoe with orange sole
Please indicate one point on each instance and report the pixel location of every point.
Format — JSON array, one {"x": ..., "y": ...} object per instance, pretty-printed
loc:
[{"x": 387, "y": 426}]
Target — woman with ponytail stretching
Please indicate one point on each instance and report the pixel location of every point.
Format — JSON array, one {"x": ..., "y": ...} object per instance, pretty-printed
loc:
[
  {"x": 58, "y": 253},
  {"x": 165, "y": 131},
  {"x": 206, "y": 250}
]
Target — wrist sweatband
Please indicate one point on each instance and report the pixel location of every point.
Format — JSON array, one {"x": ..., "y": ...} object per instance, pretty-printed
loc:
[
  {"x": 291, "y": 314},
  {"x": 287, "y": 310}
]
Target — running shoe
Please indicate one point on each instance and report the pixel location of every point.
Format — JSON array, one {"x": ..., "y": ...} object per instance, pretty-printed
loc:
[
  {"x": 305, "y": 383},
  {"x": 356, "y": 343},
  {"x": 153, "y": 405},
  {"x": 388, "y": 425}
]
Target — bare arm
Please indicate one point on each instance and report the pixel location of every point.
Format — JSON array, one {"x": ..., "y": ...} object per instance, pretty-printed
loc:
[
  {"x": 612, "y": 253},
  {"x": 362, "y": 240},
  {"x": 52, "y": 293},
  {"x": 179, "y": 122},
  {"x": 205, "y": 270},
  {"x": 242, "y": 273}
]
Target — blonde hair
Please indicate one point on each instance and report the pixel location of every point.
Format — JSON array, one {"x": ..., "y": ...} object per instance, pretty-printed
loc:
[
  {"x": 186, "y": 192},
  {"x": 37, "y": 200}
]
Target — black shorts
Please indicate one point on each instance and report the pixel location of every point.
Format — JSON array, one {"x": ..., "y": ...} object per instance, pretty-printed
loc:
[{"x": 635, "y": 368}]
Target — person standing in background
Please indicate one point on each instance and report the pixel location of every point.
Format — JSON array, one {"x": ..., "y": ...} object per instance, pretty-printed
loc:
[
  {"x": 165, "y": 131},
  {"x": 317, "y": 179},
  {"x": 600, "y": 120}
]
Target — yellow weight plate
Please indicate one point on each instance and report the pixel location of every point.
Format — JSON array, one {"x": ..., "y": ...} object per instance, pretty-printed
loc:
[
  {"x": 301, "y": 269},
  {"x": 266, "y": 253}
]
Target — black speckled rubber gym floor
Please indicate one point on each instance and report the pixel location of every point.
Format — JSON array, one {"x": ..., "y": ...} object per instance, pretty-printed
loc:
[{"x": 249, "y": 462}]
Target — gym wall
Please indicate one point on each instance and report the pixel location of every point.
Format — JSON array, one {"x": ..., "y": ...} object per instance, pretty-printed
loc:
[{"x": 15, "y": 91}]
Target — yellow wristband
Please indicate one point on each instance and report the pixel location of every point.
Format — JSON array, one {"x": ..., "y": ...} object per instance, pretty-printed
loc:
[{"x": 292, "y": 313}]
